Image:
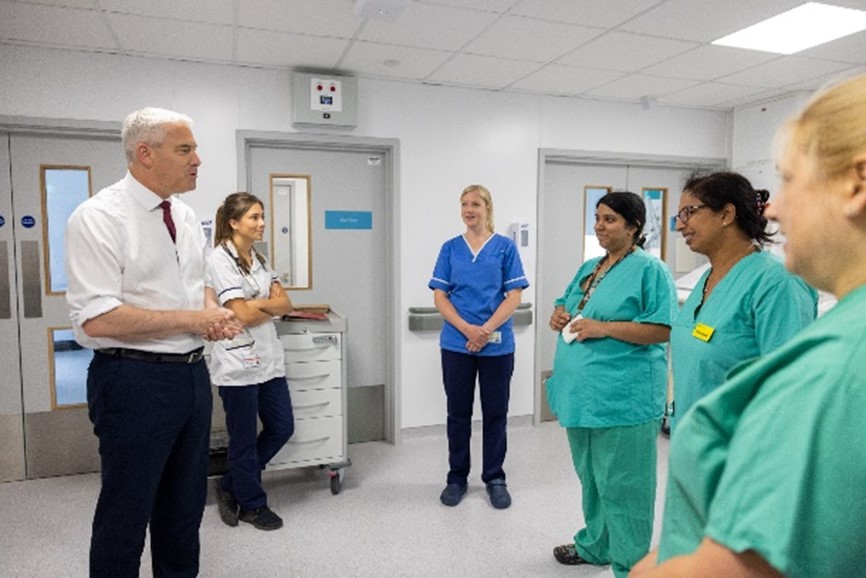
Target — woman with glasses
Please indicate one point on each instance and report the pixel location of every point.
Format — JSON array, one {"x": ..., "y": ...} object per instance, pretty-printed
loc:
[
  {"x": 746, "y": 304},
  {"x": 767, "y": 472},
  {"x": 609, "y": 382},
  {"x": 249, "y": 370}
]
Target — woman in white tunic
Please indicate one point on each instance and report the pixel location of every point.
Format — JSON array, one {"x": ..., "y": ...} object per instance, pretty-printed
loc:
[{"x": 249, "y": 370}]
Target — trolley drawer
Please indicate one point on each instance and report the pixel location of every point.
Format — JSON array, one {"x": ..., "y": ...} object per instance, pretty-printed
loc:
[
  {"x": 314, "y": 375},
  {"x": 316, "y": 403},
  {"x": 311, "y": 346},
  {"x": 316, "y": 440}
]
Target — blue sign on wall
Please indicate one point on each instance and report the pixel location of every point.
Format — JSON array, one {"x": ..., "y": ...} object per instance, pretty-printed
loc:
[
  {"x": 27, "y": 221},
  {"x": 348, "y": 219}
]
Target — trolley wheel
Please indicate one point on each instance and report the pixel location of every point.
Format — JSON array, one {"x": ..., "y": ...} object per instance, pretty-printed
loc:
[{"x": 336, "y": 481}]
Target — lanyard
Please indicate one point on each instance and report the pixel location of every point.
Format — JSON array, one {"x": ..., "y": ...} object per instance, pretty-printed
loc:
[{"x": 595, "y": 278}]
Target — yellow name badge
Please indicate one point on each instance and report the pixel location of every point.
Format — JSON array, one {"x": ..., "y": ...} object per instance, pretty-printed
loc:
[{"x": 703, "y": 332}]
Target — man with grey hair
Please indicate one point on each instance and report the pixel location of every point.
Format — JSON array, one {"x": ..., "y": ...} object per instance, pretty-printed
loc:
[{"x": 136, "y": 268}]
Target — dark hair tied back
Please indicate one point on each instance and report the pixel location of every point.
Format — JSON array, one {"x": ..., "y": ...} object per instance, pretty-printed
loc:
[{"x": 718, "y": 189}]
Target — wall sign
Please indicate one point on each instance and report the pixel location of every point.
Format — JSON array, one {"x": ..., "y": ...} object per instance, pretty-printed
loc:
[
  {"x": 348, "y": 219},
  {"x": 27, "y": 221}
]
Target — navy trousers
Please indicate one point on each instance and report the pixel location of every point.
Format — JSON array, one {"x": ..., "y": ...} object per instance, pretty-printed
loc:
[
  {"x": 153, "y": 424},
  {"x": 459, "y": 374},
  {"x": 249, "y": 453}
]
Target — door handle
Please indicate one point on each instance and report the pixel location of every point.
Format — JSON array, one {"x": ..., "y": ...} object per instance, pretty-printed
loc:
[
  {"x": 31, "y": 279},
  {"x": 5, "y": 291}
]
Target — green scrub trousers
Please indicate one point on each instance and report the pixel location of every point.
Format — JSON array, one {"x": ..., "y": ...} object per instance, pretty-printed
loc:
[{"x": 617, "y": 470}]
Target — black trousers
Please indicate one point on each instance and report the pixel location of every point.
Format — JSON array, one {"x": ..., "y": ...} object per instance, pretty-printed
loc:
[
  {"x": 153, "y": 424},
  {"x": 459, "y": 374}
]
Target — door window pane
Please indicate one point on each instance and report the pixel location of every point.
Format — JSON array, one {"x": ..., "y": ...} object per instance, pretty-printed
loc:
[
  {"x": 69, "y": 362},
  {"x": 63, "y": 189}
]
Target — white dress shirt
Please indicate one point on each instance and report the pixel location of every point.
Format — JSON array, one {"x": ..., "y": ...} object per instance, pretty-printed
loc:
[{"x": 119, "y": 252}]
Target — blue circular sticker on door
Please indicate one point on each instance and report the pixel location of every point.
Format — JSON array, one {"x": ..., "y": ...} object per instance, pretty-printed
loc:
[
  {"x": 2, "y": 221},
  {"x": 27, "y": 221}
]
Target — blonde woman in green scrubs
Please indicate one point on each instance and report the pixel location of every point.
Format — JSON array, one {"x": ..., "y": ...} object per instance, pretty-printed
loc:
[
  {"x": 767, "y": 473},
  {"x": 746, "y": 304}
]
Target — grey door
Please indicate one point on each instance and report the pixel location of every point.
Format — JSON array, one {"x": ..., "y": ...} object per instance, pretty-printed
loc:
[
  {"x": 349, "y": 265},
  {"x": 48, "y": 175}
]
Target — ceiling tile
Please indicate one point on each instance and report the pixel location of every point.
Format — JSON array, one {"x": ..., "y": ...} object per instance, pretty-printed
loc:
[
  {"x": 212, "y": 11},
  {"x": 370, "y": 57},
  {"x": 489, "y": 5},
  {"x": 85, "y": 4},
  {"x": 320, "y": 18},
  {"x": 784, "y": 71},
  {"x": 54, "y": 26},
  {"x": 268, "y": 48},
  {"x": 851, "y": 49},
  {"x": 624, "y": 51},
  {"x": 426, "y": 26},
  {"x": 602, "y": 13},
  {"x": 565, "y": 80},
  {"x": 529, "y": 39},
  {"x": 708, "y": 62},
  {"x": 173, "y": 38},
  {"x": 823, "y": 80},
  {"x": 763, "y": 96},
  {"x": 636, "y": 86},
  {"x": 482, "y": 71},
  {"x": 705, "y": 20},
  {"x": 709, "y": 94}
]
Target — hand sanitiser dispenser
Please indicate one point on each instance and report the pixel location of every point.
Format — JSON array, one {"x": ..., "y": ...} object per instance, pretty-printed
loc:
[{"x": 519, "y": 233}]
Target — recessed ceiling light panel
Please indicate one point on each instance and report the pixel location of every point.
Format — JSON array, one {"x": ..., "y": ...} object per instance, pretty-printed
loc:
[{"x": 797, "y": 29}]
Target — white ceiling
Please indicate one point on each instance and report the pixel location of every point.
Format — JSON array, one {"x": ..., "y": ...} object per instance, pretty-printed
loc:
[{"x": 625, "y": 50}]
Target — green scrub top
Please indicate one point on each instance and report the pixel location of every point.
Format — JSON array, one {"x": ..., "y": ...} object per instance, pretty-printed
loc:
[
  {"x": 755, "y": 308},
  {"x": 607, "y": 382},
  {"x": 775, "y": 461}
]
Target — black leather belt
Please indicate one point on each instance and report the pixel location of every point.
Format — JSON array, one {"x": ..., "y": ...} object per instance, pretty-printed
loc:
[{"x": 190, "y": 357}]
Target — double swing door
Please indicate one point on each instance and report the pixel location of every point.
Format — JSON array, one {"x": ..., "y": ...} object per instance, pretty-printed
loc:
[{"x": 44, "y": 175}]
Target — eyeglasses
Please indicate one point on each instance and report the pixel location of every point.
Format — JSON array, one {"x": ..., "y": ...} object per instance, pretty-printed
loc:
[{"x": 686, "y": 213}]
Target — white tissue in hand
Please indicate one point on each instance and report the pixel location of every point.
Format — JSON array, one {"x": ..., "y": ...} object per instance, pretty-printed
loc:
[{"x": 567, "y": 334}]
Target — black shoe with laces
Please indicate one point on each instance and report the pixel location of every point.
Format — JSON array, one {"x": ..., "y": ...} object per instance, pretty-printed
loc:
[
  {"x": 262, "y": 518},
  {"x": 228, "y": 506}
]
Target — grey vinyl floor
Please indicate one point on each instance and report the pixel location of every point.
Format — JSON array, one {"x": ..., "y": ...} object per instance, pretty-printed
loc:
[{"x": 386, "y": 521}]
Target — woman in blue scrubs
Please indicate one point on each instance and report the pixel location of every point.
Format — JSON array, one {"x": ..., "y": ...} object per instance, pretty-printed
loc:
[
  {"x": 767, "y": 472},
  {"x": 746, "y": 304},
  {"x": 477, "y": 284},
  {"x": 609, "y": 383}
]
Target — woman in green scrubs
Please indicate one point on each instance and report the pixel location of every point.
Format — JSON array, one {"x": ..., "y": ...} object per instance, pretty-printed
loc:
[
  {"x": 767, "y": 473},
  {"x": 608, "y": 385},
  {"x": 746, "y": 304}
]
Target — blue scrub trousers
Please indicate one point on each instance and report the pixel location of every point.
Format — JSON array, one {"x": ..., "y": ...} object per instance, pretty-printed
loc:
[
  {"x": 459, "y": 373},
  {"x": 249, "y": 453},
  {"x": 153, "y": 424},
  {"x": 617, "y": 471}
]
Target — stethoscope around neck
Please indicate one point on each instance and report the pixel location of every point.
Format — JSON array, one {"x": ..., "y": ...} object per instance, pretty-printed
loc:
[{"x": 249, "y": 278}]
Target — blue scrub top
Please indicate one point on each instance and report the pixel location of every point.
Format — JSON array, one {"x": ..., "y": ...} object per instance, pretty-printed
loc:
[
  {"x": 607, "y": 382},
  {"x": 476, "y": 285},
  {"x": 755, "y": 308}
]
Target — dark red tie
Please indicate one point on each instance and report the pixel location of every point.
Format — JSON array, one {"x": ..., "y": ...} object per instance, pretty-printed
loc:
[{"x": 169, "y": 222}]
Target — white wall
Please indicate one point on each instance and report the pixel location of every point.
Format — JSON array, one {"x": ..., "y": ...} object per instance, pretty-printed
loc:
[
  {"x": 754, "y": 130},
  {"x": 449, "y": 138}
]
